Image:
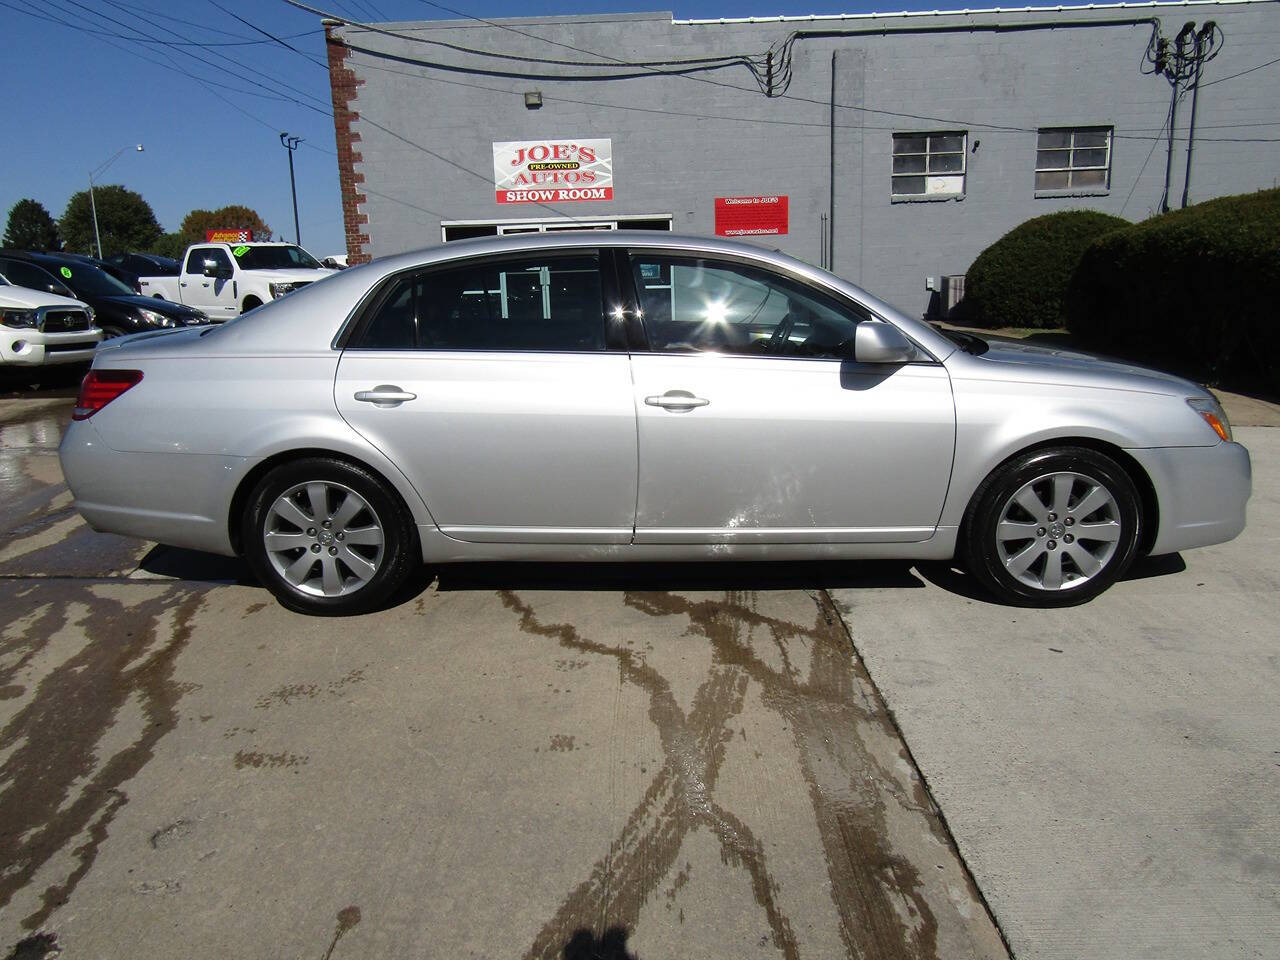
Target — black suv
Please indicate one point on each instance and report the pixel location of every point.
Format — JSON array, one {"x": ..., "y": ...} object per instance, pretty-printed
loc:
[{"x": 118, "y": 309}]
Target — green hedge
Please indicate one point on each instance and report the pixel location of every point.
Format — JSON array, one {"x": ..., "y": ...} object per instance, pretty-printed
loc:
[
  {"x": 1020, "y": 280},
  {"x": 1197, "y": 289}
]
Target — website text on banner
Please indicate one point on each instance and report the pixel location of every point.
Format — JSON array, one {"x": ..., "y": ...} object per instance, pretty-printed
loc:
[{"x": 751, "y": 216}]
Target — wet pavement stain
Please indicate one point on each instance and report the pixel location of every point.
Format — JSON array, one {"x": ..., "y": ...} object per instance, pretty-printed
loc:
[
  {"x": 255, "y": 758},
  {"x": 348, "y": 917},
  {"x": 41, "y": 946},
  {"x": 56, "y": 787},
  {"x": 283, "y": 696},
  {"x": 830, "y": 712}
]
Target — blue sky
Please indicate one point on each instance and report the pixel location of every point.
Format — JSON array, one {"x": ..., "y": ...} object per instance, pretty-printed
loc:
[{"x": 77, "y": 96}]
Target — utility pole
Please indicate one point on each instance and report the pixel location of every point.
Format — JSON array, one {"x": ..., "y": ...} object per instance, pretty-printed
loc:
[
  {"x": 291, "y": 144},
  {"x": 93, "y": 204}
]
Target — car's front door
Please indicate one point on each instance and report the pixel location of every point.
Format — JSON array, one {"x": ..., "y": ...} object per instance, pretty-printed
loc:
[
  {"x": 490, "y": 384},
  {"x": 755, "y": 427},
  {"x": 217, "y": 295}
]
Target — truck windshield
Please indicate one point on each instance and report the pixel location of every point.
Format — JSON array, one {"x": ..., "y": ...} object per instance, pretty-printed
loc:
[{"x": 274, "y": 258}]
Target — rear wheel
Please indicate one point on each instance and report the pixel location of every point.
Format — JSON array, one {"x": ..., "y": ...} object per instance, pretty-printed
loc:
[
  {"x": 327, "y": 537},
  {"x": 1053, "y": 527}
]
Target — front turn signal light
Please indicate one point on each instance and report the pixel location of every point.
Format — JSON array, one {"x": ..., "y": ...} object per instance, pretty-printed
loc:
[{"x": 1211, "y": 412}]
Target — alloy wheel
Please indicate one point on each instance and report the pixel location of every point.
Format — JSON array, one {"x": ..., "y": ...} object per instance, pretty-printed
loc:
[
  {"x": 323, "y": 538},
  {"x": 1058, "y": 531}
]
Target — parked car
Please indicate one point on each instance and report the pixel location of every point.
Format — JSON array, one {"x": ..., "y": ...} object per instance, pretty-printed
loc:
[
  {"x": 118, "y": 309},
  {"x": 129, "y": 268},
  {"x": 227, "y": 279},
  {"x": 38, "y": 328},
  {"x": 637, "y": 396}
]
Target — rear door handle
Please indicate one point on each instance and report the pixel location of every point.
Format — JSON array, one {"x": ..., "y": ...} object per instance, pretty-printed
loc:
[
  {"x": 385, "y": 395},
  {"x": 676, "y": 400}
]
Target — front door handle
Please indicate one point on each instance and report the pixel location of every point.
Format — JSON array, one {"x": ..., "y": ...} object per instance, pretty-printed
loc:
[
  {"x": 676, "y": 400},
  {"x": 385, "y": 395}
]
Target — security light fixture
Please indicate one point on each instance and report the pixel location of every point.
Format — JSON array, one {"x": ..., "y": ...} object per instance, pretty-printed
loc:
[{"x": 533, "y": 99}]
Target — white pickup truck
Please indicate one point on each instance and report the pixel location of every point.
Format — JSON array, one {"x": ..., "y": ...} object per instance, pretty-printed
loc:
[
  {"x": 40, "y": 329},
  {"x": 227, "y": 279}
]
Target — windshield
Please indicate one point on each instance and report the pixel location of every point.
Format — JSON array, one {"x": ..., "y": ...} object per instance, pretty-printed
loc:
[
  {"x": 85, "y": 279},
  {"x": 274, "y": 258}
]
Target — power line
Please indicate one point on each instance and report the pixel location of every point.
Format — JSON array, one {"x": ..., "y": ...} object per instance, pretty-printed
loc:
[
  {"x": 1241, "y": 73},
  {"x": 652, "y": 66}
]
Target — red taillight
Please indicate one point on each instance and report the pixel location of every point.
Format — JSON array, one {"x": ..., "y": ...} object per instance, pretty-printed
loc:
[{"x": 99, "y": 388}]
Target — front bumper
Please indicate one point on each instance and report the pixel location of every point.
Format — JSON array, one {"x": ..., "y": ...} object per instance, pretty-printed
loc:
[
  {"x": 1201, "y": 491},
  {"x": 33, "y": 348}
]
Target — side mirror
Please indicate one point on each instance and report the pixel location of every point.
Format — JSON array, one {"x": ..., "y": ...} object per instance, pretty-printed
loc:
[{"x": 877, "y": 342}]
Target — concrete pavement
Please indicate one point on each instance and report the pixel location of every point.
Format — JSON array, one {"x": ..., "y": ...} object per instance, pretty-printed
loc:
[
  {"x": 630, "y": 760},
  {"x": 1111, "y": 772},
  {"x": 515, "y": 761}
]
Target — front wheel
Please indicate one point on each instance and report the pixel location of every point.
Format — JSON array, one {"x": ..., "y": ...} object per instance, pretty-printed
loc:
[
  {"x": 1053, "y": 527},
  {"x": 327, "y": 537},
  {"x": 250, "y": 303}
]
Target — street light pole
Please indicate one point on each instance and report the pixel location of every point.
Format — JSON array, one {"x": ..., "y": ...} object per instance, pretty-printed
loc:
[
  {"x": 93, "y": 204},
  {"x": 291, "y": 144}
]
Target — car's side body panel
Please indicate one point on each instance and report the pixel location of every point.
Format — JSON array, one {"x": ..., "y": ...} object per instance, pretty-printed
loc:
[
  {"x": 517, "y": 447},
  {"x": 791, "y": 450}
]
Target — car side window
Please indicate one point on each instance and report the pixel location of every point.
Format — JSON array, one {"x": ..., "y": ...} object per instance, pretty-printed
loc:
[
  {"x": 22, "y": 274},
  {"x": 543, "y": 303},
  {"x": 694, "y": 305},
  {"x": 197, "y": 257}
]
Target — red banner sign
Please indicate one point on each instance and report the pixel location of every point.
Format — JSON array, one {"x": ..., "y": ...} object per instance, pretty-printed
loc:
[
  {"x": 228, "y": 236},
  {"x": 751, "y": 216}
]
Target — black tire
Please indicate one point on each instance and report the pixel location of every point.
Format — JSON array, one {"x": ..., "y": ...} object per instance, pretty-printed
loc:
[
  {"x": 393, "y": 561},
  {"x": 110, "y": 333},
  {"x": 250, "y": 303},
  {"x": 1063, "y": 547}
]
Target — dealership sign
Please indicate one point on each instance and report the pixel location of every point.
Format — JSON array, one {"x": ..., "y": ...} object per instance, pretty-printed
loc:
[
  {"x": 228, "y": 236},
  {"x": 750, "y": 216},
  {"x": 553, "y": 171}
]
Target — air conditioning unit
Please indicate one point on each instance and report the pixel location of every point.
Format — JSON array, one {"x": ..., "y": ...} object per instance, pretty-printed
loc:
[{"x": 951, "y": 295}]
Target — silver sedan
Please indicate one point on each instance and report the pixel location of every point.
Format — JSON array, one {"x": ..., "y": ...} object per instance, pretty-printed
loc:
[{"x": 636, "y": 396}]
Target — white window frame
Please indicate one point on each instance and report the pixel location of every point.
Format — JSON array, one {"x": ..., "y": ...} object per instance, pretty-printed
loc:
[
  {"x": 1072, "y": 188},
  {"x": 938, "y": 185}
]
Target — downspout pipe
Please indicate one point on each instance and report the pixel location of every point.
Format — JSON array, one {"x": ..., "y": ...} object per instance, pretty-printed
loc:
[{"x": 831, "y": 175}]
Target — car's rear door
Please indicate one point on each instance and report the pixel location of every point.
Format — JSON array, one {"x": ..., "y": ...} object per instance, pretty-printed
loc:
[
  {"x": 491, "y": 383},
  {"x": 755, "y": 428}
]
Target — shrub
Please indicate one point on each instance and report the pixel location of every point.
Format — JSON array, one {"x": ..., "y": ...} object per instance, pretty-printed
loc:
[
  {"x": 1019, "y": 280},
  {"x": 1195, "y": 289}
]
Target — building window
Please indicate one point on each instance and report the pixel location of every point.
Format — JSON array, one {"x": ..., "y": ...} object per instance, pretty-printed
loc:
[
  {"x": 1073, "y": 159},
  {"x": 929, "y": 164}
]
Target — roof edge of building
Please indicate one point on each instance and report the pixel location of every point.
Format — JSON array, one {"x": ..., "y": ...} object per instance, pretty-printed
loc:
[{"x": 989, "y": 11}]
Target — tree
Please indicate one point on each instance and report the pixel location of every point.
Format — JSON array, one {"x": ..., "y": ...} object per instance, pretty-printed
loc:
[
  {"x": 233, "y": 217},
  {"x": 169, "y": 245},
  {"x": 30, "y": 227},
  {"x": 125, "y": 221}
]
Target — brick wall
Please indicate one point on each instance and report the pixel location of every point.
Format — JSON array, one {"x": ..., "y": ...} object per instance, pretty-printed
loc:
[{"x": 343, "y": 83}]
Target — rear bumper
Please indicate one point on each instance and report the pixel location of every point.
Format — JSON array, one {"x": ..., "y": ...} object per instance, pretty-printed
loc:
[
  {"x": 1202, "y": 493},
  {"x": 177, "y": 499}
]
